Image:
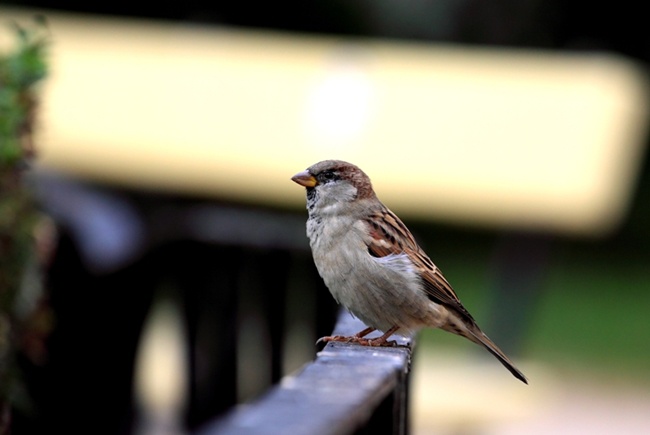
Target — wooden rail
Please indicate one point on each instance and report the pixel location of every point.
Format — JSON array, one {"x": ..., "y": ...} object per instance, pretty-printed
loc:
[{"x": 348, "y": 389}]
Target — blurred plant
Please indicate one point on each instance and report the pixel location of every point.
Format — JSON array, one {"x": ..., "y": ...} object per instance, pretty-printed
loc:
[{"x": 23, "y": 325}]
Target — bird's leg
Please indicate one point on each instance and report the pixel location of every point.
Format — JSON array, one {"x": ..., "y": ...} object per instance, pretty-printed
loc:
[
  {"x": 363, "y": 333},
  {"x": 358, "y": 338}
]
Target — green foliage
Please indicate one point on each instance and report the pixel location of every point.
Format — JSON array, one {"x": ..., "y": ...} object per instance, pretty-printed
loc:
[{"x": 20, "y": 70}]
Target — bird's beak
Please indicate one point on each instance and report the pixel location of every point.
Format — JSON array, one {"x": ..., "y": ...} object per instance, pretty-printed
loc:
[{"x": 304, "y": 178}]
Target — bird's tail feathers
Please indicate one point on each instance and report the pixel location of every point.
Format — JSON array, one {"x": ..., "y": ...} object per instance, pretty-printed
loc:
[
  {"x": 474, "y": 333},
  {"x": 485, "y": 341}
]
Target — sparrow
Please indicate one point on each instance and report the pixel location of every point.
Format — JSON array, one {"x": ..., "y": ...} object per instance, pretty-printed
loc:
[{"x": 372, "y": 265}]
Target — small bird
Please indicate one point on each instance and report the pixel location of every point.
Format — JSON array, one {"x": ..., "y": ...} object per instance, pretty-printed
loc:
[{"x": 373, "y": 266}]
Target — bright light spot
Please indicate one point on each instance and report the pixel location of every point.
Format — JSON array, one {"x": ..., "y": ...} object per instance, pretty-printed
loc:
[{"x": 338, "y": 108}]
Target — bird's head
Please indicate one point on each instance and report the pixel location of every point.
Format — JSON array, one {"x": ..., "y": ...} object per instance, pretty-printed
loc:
[{"x": 334, "y": 181}]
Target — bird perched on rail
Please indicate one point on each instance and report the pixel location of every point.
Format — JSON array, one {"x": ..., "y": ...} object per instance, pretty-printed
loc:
[{"x": 373, "y": 266}]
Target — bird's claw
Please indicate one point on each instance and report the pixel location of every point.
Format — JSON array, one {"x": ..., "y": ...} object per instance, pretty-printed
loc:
[
  {"x": 370, "y": 342},
  {"x": 377, "y": 342},
  {"x": 340, "y": 338}
]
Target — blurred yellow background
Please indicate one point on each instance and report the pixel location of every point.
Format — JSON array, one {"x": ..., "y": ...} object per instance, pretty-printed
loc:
[{"x": 530, "y": 139}]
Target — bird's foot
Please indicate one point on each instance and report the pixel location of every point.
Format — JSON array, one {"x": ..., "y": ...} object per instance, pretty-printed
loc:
[
  {"x": 371, "y": 342},
  {"x": 380, "y": 342},
  {"x": 339, "y": 338}
]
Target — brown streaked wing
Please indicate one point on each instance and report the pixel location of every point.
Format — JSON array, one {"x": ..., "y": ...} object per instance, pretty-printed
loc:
[
  {"x": 439, "y": 290},
  {"x": 389, "y": 235}
]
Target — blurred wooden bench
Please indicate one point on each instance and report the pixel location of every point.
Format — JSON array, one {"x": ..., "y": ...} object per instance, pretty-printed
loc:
[{"x": 530, "y": 142}]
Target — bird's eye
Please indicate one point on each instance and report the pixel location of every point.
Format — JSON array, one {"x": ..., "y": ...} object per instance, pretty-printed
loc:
[{"x": 327, "y": 176}]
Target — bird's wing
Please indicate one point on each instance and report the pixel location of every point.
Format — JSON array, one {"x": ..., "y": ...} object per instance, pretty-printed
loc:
[{"x": 389, "y": 235}]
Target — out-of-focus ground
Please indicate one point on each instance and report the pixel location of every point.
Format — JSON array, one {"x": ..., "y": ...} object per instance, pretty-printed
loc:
[{"x": 454, "y": 395}]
